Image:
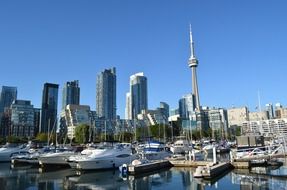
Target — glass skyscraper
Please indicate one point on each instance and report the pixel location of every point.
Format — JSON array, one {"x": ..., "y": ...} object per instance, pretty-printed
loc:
[
  {"x": 22, "y": 119},
  {"x": 8, "y": 95},
  {"x": 71, "y": 94},
  {"x": 49, "y": 108},
  {"x": 106, "y": 94},
  {"x": 186, "y": 106},
  {"x": 138, "y": 100}
]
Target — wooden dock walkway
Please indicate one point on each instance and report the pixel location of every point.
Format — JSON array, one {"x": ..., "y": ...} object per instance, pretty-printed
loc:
[
  {"x": 148, "y": 167},
  {"x": 188, "y": 163}
]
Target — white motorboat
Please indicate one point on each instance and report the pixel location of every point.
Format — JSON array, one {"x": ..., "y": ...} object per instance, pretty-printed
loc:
[
  {"x": 104, "y": 157},
  {"x": 29, "y": 157},
  {"x": 180, "y": 146},
  {"x": 154, "y": 150},
  {"x": 57, "y": 157},
  {"x": 8, "y": 150}
]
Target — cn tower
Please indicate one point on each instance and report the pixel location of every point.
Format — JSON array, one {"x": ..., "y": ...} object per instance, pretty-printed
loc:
[{"x": 192, "y": 63}]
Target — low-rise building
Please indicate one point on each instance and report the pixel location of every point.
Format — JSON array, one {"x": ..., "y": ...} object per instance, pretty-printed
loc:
[{"x": 76, "y": 115}]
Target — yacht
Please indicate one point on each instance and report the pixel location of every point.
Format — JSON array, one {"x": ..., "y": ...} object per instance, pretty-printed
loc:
[
  {"x": 9, "y": 150},
  {"x": 180, "y": 146},
  {"x": 104, "y": 157},
  {"x": 29, "y": 157},
  {"x": 154, "y": 150},
  {"x": 56, "y": 157}
]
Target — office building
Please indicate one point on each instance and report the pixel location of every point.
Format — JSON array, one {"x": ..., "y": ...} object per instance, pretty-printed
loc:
[
  {"x": 22, "y": 119},
  {"x": 186, "y": 106},
  {"x": 270, "y": 111},
  {"x": 49, "y": 108},
  {"x": 164, "y": 108},
  {"x": 7, "y": 96},
  {"x": 71, "y": 93},
  {"x": 218, "y": 122}
]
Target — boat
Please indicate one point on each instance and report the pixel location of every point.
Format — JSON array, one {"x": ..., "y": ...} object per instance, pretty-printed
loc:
[
  {"x": 8, "y": 150},
  {"x": 29, "y": 157},
  {"x": 180, "y": 146},
  {"x": 223, "y": 147},
  {"x": 56, "y": 157},
  {"x": 104, "y": 157},
  {"x": 154, "y": 150},
  {"x": 71, "y": 160}
]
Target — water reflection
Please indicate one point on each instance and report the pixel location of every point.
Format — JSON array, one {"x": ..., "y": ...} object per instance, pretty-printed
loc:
[
  {"x": 175, "y": 178},
  {"x": 250, "y": 179}
]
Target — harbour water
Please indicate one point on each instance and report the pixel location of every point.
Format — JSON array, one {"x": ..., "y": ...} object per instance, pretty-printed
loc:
[{"x": 174, "y": 178}]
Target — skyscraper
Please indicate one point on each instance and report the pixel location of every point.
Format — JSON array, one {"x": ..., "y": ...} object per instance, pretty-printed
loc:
[
  {"x": 49, "y": 108},
  {"x": 106, "y": 94},
  {"x": 71, "y": 93},
  {"x": 269, "y": 109},
  {"x": 193, "y": 63},
  {"x": 138, "y": 95},
  {"x": 186, "y": 106},
  {"x": 8, "y": 95},
  {"x": 164, "y": 107},
  {"x": 22, "y": 119},
  {"x": 128, "y": 112}
]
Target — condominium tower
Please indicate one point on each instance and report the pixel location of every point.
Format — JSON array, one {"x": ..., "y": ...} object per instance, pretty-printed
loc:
[
  {"x": 137, "y": 97},
  {"x": 106, "y": 94}
]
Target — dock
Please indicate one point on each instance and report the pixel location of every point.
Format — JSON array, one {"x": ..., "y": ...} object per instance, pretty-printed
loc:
[
  {"x": 148, "y": 167},
  {"x": 188, "y": 163},
  {"x": 212, "y": 170}
]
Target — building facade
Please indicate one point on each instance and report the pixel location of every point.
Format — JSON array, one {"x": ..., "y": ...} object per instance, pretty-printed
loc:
[
  {"x": 22, "y": 119},
  {"x": 280, "y": 113},
  {"x": 236, "y": 116},
  {"x": 218, "y": 121},
  {"x": 270, "y": 111},
  {"x": 76, "y": 115},
  {"x": 128, "y": 112},
  {"x": 106, "y": 94},
  {"x": 270, "y": 127},
  {"x": 186, "y": 106},
  {"x": 263, "y": 115},
  {"x": 49, "y": 108},
  {"x": 7, "y": 96},
  {"x": 164, "y": 108},
  {"x": 138, "y": 97},
  {"x": 71, "y": 93}
]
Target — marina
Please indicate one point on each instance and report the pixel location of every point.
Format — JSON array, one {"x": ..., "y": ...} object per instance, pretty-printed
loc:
[
  {"x": 171, "y": 178},
  {"x": 118, "y": 166}
]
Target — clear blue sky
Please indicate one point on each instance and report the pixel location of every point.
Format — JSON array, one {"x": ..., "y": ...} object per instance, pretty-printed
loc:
[{"x": 241, "y": 47}]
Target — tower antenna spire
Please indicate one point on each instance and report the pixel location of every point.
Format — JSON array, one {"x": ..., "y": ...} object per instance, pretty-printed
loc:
[{"x": 192, "y": 53}]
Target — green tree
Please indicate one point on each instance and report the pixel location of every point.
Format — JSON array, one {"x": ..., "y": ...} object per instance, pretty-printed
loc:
[
  {"x": 42, "y": 137},
  {"x": 13, "y": 139},
  {"x": 176, "y": 127},
  {"x": 196, "y": 134},
  {"x": 2, "y": 140},
  {"x": 82, "y": 133},
  {"x": 207, "y": 132},
  {"x": 162, "y": 132}
]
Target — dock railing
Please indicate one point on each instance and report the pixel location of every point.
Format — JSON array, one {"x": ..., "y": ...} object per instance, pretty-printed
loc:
[{"x": 264, "y": 152}]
